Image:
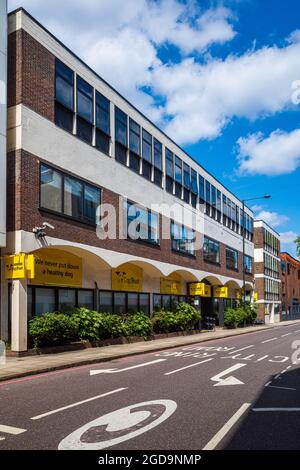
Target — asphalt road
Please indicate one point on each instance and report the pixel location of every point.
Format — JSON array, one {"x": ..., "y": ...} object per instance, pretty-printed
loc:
[{"x": 234, "y": 393}]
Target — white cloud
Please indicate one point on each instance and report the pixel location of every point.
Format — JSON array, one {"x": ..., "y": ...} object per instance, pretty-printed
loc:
[
  {"x": 288, "y": 237},
  {"x": 272, "y": 218},
  {"x": 276, "y": 154},
  {"x": 256, "y": 208},
  {"x": 200, "y": 94}
]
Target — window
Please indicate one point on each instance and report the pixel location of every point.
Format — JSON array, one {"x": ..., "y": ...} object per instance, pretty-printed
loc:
[
  {"x": 202, "y": 189},
  {"x": 102, "y": 123},
  {"x": 224, "y": 210},
  {"x": 183, "y": 238},
  {"x": 178, "y": 177},
  {"x": 169, "y": 171},
  {"x": 157, "y": 163},
  {"x": 44, "y": 301},
  {"x": 51, "y": 189},
  {"x": 213, "y": 201},
  {"x": 186, "y": 183},
  {"x": 194, "y": 188},
  {"x": 66, "y": 298},
  {"x": 142, "y": 224},
  {"x": 121, "y": 136},
  {"x": 84, "y": 110},
  {"x": 231, "y": 259},
  {"x": 211, "y": 251},
  {"x": 86, "y": 299},
  {"x": 207, "y": 197},
  {"x": 147, "y": 154},
  {"x": 64, "y": 96},
  {"x": 134, "y": 145},
  {"x": 219, "y": 208},
  {"x": 123, "y": 302},
  {"x": 248, "y": 262},
  {"x": 167, "y": 301},
  {"x": 69, "y": 196}
]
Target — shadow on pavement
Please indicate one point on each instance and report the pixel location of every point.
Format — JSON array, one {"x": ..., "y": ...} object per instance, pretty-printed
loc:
[{"x": 273, "y": 429}]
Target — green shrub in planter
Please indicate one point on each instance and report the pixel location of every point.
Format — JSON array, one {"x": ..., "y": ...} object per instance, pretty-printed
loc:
[
  {"x": 233, "y": 317},
  {"x": 250, "y": 313},
  {"x": 52, "y": 329},
  {"x": 188, "y": 316},
  {"x": 114, "y": 326},
  {"x": 138, "y": 324},
  {"x": 90, "y": 324},
  {"x": 164, "y": 321}
]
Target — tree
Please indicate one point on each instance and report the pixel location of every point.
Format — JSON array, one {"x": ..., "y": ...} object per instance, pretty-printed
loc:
[{"x": 297, "y": 241}]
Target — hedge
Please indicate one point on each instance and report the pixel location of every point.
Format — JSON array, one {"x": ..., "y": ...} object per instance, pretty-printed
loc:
[
  {"x": 184, "y": 317},
  {"x": 234, "y": 317}
]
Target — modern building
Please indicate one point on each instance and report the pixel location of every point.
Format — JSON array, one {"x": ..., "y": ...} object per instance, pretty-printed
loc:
[
  {"x": 290, "y": 286},
  {"x": 3, "y": 113},
  {"x": 75, "y": 143},
  {"x": 266, "y": 271}
]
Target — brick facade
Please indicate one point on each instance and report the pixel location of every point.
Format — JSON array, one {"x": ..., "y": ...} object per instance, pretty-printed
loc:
[
  {"x": 24, "y": 214},
  {"x": 290, "y": 278},
  {"x": 31, "y": 72}
]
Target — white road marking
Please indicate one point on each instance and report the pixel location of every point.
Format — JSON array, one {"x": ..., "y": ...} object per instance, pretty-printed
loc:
[
  {"x": 267, "y": 340},
  {"x": 297, "y": 331},
  {"x": 77, "y": 403},
  {"x": 2, "y": 438},
  {"x": 116, "y": 371},
  {"x": 242, "y": 349},
  {"x": 283, "y": 388},
  {"x": 229, "y": 380},
  {"x": 11, "y": 430},
  {"x": 212, "y": 444},
  {"x": 120, "y": 425},
  {"x": 187, "y": 367},
  {"x": 268, "y": 383},
  {"x": 275, "y": 409},
  {"x": 262, "y": 358},
  {"x": 287, "y": 334}
]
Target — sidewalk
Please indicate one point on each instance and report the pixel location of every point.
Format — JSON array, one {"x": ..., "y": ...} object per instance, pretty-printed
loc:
[{"x": 30, "y": 365}]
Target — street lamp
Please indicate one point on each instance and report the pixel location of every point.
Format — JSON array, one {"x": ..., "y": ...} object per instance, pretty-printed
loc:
[{"x": 266, "y": 196}]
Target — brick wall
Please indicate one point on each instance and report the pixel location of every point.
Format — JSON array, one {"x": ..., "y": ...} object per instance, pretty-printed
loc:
[
  {"x": 24, "y": 214},
  {"x": 291, "y": 281},
  {"x": 258, "y": 237},
  {"x": 31, "y": 72}
]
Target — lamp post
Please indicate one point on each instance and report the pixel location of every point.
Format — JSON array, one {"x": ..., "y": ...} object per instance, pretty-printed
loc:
[{"x": 266, "y": 196}]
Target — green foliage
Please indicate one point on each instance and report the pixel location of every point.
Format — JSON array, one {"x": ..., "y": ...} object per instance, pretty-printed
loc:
[
  {"x": 114, "y": 326},
  {"x": 90, "y": 324},
  {"x": 139, "y": 324},
  {"x": 52, "y": 329},
  {"x": 297, "y": 241},
  {"x": 250, "y": 313},
  {"x": 233, "y": 317},
  {"x": 184, "y": 317}
]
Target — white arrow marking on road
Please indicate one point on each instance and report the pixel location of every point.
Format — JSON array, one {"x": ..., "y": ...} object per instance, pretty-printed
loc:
[
  {"x": 229, "y": 380},
  {"x": 115, "y": 371},
  {"x": 11, "y": 430}
]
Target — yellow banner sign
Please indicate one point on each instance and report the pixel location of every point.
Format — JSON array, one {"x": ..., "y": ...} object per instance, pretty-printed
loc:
[
  {"x": 127, "y": 277},
  {"x": 170, "y": 286},
  {"x": 255, "y": 296},
  {"x": 221, "y": 292},
  {"x": 200, "y": 288},
  {"x": 239, "y": 294},
  {"x": 15, "y": 266},
  {"x": 57, "y": 267}
]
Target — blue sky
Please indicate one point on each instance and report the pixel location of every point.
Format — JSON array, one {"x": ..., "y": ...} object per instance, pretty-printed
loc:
[{"x": 217, "y": 76}]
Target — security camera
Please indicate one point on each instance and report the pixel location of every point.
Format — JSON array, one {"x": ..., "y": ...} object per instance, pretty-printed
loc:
[{"x": 47, "y": 225}]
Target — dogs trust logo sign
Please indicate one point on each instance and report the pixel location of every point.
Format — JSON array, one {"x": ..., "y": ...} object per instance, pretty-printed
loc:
[{"x": 127, "y": 278}]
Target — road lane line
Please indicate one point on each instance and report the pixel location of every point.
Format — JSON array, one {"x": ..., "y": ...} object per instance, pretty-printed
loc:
[
  {"x": 282, "y": 388},
  {"x": 11, "y": 430},
  {"x": 286, "y": 334},
  {"x": 297, "y": 331},
  {"x": 212, "y": 444},
  {"x": 262, "y": 358},
  {"x": 115, "y": 371},
  {"x": 242, "y": 349},
  {"x": 77, "y": 403},
  {"x": 275, "y": 409},
  {"x": 187, "y": 367},
  {"x": 267, "y": 340}
]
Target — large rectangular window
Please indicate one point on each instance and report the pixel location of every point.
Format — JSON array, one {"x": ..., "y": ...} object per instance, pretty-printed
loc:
[
  {"x": 147, "y": 154},
  {"x": 157, "y": 163},
  {"x": 134, "y": 145},
  {"x": 219, "y": 205},
  {"x": 186, "y": 183},
  {"x": 194, "y": 188},
  {"x": 183, "y": 238},
  {"x": 69, "y": 196},
  {"x": 121, "y": 129},
  {"x": 231, "y": 259},
  {"x": 207, "y": 198},
  {"x": 201, "y": 189},
  {"x": 248, "y": 264},
  {"x": 102, "y": 123},
  {"x": 213, "y": 201},
  {"x": 178, "y": 177},
  {"x": 84, "y": 110},
  {"x": 142, "y": 224},
  {"x": 124, "y": 302},
  {"x": 64, "y": 96},
  {"x": 211, "y": 251},
  {"x": 169, "y": 171}
]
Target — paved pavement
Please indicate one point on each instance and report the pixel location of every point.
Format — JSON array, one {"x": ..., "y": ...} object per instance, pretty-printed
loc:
[
  {"x": 22, "y": 366},
  {"x": 239, "y": 392}
]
